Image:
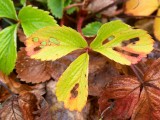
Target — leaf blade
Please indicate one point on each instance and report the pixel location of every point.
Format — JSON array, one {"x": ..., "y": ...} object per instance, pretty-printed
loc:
[
  {"x": 8, "y": 52},
  {"x": 72, "y": 78},
  {"x": 32, "y": 22},
  {"x": 7, "y": 9},
  {"x": 91, "y": 29},
  {"x": 57, "y": 42},
  {"x": 128, "y": 46},
  {"x": 107, "y": 30},
  {"x": 122, "y": 90}
]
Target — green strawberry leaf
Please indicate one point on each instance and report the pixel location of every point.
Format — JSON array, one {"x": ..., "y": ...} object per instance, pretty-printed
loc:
[
  {"x": 7, "y": 9},
  {"x": 8, "y": 51},
  {"x": 91, "y": 29},
  {"x": 51, "y": 43},
  {"x": 72, "y": 87},
  {"x": 119, "y": 42},
  {"x": 23, "y": 2},
  {"x": 33, "y": 19},
  {"x": 71, "y": 10},
  {"x": 56, "y": 7}
]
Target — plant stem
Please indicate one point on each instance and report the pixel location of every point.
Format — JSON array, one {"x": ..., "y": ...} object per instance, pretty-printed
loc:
[
  {"x": 79, "y": 24},
  {"x": 73, "y": 5}
]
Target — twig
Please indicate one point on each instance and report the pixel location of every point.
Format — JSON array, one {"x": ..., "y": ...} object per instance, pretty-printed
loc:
[
  {"x": 79, "y": 25},
  {"x": 73, "y": 5},
  {"x": 106, "y": 109}
]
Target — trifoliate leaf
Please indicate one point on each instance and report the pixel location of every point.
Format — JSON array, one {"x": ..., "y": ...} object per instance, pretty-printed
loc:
[
  {"x": 51, "y": 43},
  {"x": 7, "y": 9},
  {"x": 157, "y": 26},
  {"x": 8, "y": 49},
  {"x": 91, "y": 29},
  {"x": 121, "y": 43},
  {"x": 141, "y": 7},
  {"x": 33, "y": 19},
  {"x": 72, "y": 87}
]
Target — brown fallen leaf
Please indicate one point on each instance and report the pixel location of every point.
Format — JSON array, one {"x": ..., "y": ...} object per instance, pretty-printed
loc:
[
  {"x": 30, "y": 70},
  {"x": 96, "y": 5},
  {"x": 21, "y": 35},
  {"x": 58, "y": 111},
  {"x": 145, "y": 24},
  {"x": 11, "y": 110},
  {"x": 101, "y": 75},
  {"x": 126, "y": 97},
  {"x": 36, "y": 71},
  {"x": 4, "y": 94},
  {"x": 14, "y": 86},
  {"x": 118, "y": 99},
  {"x": 26, "y": 106}
]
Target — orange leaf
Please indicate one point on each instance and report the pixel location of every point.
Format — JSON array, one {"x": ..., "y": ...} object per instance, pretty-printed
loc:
[
  {"x": 157, "y": 26},
  {"x": 141, "y": 7}
]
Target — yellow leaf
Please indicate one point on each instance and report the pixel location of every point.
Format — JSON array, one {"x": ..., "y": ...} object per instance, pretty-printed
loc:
[
  {"x": 157, "y": 26},
  {"x": 53, "y": 42},
  {"x": 141, "y": 7},
  {"x": 127, "y": 46},
  {"x": 72, "y": 87}
]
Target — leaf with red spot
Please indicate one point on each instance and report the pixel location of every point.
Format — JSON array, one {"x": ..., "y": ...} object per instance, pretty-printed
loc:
[
  {"x": 126, "y": 98},
  {"x": 72, "y": 87},
  {"x": 119, "y": 42}
]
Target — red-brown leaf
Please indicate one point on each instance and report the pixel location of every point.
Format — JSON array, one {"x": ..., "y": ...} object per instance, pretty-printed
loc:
[
  {"x": 30, "y": 70},
  {"x": 36, "y": 71},
  {"x": 124, "y": 91}
]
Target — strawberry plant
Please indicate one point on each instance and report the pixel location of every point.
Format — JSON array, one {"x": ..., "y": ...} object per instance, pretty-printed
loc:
[
  {"x": 128, "y": 46},
  {"x": 50, "y": 47}
]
